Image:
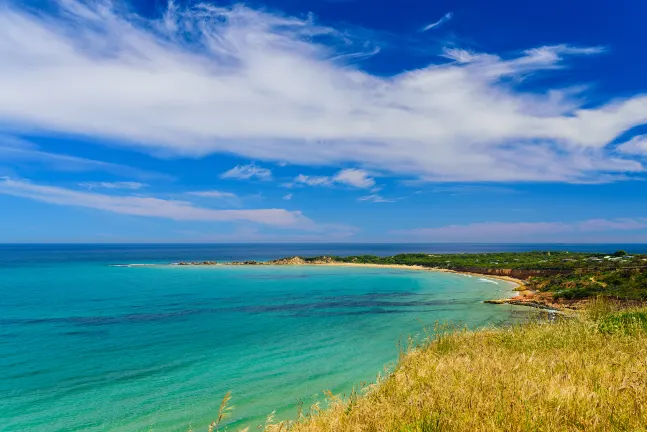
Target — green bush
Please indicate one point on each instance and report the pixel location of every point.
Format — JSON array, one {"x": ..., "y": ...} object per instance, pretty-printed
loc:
[{"x": 625, "y": 322}]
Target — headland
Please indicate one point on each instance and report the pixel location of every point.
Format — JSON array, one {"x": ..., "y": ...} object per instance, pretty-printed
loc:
[{"x": 547, "y": 280}]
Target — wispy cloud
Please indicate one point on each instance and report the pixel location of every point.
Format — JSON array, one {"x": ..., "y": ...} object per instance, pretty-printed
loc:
[
  {"x": 151, "y": 206},
  {"x": 637, "y": 145},
  {"x": 245, "y": 172},
  {"x": 473, "y": 189},
  {"x": 287, "y": 197},
  {"x": 438, "y": 23},
  {"x": 303, "y": 179},
  {"x": 376, "y": 199},
  {"x": 520, "y": 231},
  {"x": 220, "y": 197},
  {"x": 213, "y": 194},
  {"x": 350, "y": 177},
  {"x": 18, "y": 151},
  {"x": 113, "y": 185},
  {"x": 269, "y": 87}
]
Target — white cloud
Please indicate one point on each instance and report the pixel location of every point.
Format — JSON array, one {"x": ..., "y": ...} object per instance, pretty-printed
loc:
[
  {"x": 441, "y": 21},
  {"x": 287, "y": 197},
  {"x": 351, "y": 177},
  {"x": 113, "y": 185},
  {"x": 637, "y": 145},
  {"x": 520, "y": 231},
  {"x": 375, "y": 198},
  {"x": 150, "y": 206},
  {"x": 281, "y": 89},
  {"x": 245, "y": 172},
  {"x": 354, "y": 177},
  {"x": 312, "y": 180}
]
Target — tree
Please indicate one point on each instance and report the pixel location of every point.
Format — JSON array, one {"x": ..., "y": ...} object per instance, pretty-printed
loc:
[{"x": 619, "y": 253}]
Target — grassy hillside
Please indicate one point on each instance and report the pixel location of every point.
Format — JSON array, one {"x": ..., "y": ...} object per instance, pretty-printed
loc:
[
  {"x": 622, "y": 284},
  {"x": 587, "y": 373}
]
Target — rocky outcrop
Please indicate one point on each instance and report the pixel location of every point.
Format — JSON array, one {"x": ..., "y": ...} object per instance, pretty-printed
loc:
[
  {"x": 296, "y": 260},
  {"x": 324, "y": 260},
  {"x": 524, "y": 302},
  {"x": 542, "y": 300}
]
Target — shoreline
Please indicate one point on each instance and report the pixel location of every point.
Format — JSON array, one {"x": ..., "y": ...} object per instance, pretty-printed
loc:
[
  {"x": 517, "y": 282},
  {"x": 515, "y": 299}
]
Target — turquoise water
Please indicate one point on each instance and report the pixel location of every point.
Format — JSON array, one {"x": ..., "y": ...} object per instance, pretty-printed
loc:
[{"x": 86, "y": 346}]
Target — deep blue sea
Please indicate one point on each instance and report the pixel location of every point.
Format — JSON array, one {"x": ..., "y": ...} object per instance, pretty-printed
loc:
[{"x": 88, "y": 345}]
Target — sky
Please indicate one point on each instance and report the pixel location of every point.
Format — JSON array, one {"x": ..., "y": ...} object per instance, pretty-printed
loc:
[{"x": 323, "y": 121}]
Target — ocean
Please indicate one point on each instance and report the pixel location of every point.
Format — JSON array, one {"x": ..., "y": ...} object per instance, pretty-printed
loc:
[{"x": 87, "y": 344}]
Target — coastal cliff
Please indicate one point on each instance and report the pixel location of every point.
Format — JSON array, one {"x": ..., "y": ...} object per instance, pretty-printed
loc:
[{"x": 522, "y": 274}]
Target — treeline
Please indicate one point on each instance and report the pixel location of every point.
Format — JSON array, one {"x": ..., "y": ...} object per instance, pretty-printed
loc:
[{"x": 503, "y": 260}]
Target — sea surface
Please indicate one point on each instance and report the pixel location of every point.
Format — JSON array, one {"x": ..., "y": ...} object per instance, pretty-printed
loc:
[{"x": 87, "y": 344}]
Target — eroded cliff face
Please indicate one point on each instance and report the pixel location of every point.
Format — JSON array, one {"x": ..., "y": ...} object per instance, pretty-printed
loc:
[
  {"x": 297, "y": 260},
  {"x": 324, "y": 260},
  {"x": 514, "y": 273},
  {"x": 288, "y": 261}
]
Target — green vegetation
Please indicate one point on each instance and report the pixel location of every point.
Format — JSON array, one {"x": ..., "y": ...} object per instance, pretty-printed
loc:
[
  {"x": 502, "y": 260},
  {"x": 563, "y": 275},
  {"x": 621, "y": 284},
  {"x": 624, "y": 322}
]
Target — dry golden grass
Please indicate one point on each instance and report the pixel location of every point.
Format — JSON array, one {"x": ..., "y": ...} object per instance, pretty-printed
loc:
[{"x": 574, "y": 374}]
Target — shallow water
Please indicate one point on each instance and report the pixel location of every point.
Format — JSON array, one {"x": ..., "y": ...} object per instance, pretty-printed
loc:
[{"x": 88, "y": 346}]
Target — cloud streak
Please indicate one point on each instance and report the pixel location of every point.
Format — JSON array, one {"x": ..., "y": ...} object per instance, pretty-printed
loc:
[
  {"x": 438, "y": 23},
  {"x": 268, "y": 87},
  {"x": 353, "y": 177},
  {"x": 376, "y": 198},
  {"x": 214, "y": 194},
  {"x": 246, "y": 172},
  {"x": 17, "y": 151},
  {"x": 150, "y": 206},
  {"x": 113, "y": 185},
  {"x": 637, "y": 145},
  {"x": 520, "y": 231}
]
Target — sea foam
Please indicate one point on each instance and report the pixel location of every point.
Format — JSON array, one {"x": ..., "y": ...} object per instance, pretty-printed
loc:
[{"x": 488, "y": 281}]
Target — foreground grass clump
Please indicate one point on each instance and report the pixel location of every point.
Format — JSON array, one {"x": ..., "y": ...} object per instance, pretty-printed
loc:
[{"x": 587, "y": 373}]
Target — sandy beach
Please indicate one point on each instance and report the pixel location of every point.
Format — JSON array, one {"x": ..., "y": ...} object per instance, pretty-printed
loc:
[{"x": 299, "y": 262}]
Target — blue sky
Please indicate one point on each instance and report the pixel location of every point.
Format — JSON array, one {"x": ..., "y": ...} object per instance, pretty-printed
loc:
[{"x": 327, "y": 120}]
